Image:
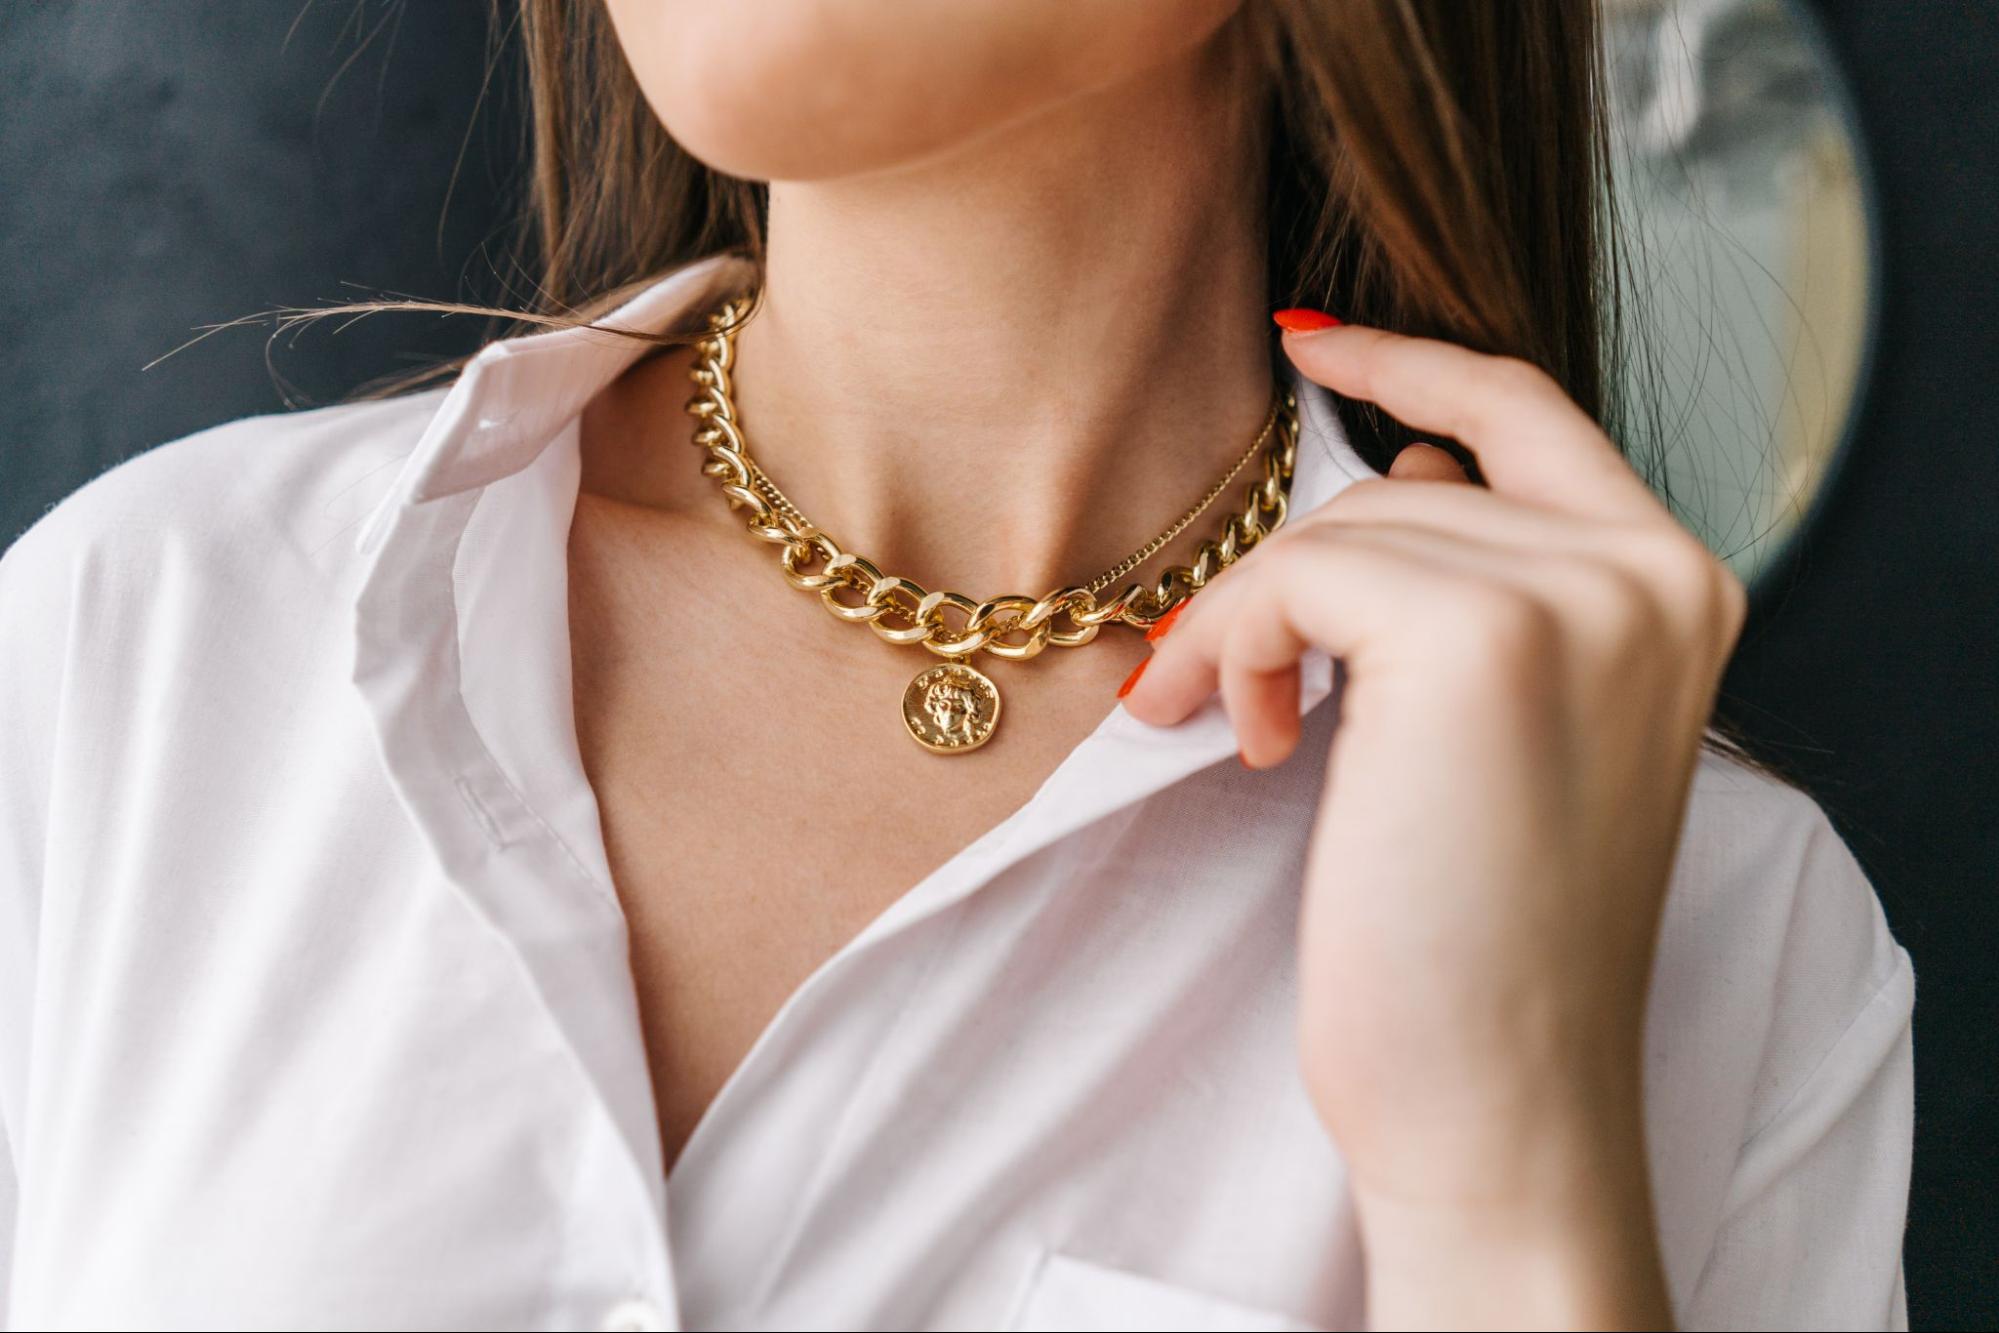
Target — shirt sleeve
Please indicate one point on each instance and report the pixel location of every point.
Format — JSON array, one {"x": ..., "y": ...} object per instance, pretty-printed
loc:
[
  {"x": 38, "y": 575},
  {"x": 1811, "y": 1228},
  {"x": 9, "y": 1203}
]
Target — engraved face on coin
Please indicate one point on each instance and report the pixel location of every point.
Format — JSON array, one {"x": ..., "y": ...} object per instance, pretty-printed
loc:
[{"x": 951, "y": 708}]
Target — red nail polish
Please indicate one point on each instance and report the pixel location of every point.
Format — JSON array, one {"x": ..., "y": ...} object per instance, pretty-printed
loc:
[
  {"x": 1164, "y": 623},
  {"x": 1300, "y": 320},
  {"x": 1132, "y": 679}
]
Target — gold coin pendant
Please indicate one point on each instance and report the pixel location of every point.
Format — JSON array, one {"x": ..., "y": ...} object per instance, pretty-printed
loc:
[{"x": 951, "y": 708}]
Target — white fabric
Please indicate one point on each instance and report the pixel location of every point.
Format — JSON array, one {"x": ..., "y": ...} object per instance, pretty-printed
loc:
[{"x": 314, "y": 1006}]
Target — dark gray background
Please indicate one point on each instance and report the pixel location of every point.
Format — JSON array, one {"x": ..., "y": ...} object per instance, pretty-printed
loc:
[{"x": 167, "y": 165}]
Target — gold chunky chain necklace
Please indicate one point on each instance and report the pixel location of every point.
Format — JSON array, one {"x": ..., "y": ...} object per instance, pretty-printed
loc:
[{"x": 952, "y": 707}]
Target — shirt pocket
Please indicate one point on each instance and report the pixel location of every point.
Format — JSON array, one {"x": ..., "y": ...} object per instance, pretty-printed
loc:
[{"x": 1065, "y": 1294}]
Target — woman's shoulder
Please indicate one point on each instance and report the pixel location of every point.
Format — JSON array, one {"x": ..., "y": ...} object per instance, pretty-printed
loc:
[
  {"x": 233, "y": 536},
  {"x": 1764, "y": 858},
  {"x": 276, "y": 481},
  {"x": 1779, "y": 1065},
  {"x": 1775, "y": 957}
]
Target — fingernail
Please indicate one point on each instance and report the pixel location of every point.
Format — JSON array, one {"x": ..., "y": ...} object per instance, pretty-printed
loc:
[
  {"x": 1245, "y": 761},
  {"x": 1300, "y": 320},
  {"x": 1132, "y": 679},
  {"x": 1164, "y": 623}
]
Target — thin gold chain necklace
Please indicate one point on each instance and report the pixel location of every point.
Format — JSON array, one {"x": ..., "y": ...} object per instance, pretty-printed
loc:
[{"x": 952, "y": 707}]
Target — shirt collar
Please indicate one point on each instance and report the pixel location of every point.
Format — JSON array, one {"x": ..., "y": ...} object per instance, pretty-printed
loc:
[
  {"x": 515, "y": 396},
  {"x": 461, "y": 661}
]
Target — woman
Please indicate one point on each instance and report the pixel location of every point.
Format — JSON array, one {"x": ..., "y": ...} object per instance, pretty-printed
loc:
[{"x": 453, "y": 881}]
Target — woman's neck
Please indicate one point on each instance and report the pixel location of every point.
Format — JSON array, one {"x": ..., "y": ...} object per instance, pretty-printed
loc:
[{"x": 1001, "y": 370}]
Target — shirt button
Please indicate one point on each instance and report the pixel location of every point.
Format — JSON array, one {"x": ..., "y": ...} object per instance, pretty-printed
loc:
[{"x": 633, "y": 1316}]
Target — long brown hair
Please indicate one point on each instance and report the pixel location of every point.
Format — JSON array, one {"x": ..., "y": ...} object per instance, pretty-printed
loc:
[{"x": 1439, "y": 167}]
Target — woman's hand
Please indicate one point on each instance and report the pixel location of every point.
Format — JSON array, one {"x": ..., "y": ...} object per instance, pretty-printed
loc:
[{"x": 1529, "y": 670}]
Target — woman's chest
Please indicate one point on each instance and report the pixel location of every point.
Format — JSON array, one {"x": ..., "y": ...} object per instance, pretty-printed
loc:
[
  {"x": 1041, "y": 1067},
  {"x": 761, "y": 802}
]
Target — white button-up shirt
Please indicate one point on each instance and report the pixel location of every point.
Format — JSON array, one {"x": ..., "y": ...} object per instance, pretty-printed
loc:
[{"x": 315, "y": 1009}]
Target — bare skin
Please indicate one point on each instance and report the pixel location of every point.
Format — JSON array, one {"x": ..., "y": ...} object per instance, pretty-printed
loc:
[
  {"x": 780, "y": 714},
  {"x": 966, "y": 371}
]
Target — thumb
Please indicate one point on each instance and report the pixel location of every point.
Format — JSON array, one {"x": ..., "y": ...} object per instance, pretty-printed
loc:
[{"x": 1425, "y": 462}]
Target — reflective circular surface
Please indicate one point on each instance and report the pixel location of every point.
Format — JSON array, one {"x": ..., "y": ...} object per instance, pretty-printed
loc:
[{"x": 1741, "y": 199}]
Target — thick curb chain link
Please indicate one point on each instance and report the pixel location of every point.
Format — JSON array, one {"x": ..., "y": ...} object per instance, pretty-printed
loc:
[{"x": 1015, "y": 628}]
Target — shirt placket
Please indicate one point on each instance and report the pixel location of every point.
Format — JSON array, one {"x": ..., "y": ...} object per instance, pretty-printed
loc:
[
  {"x": 561, "y": 922},
  {"x": 752, "y": 1177}
]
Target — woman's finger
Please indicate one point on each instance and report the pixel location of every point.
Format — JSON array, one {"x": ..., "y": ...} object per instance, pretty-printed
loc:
[
  {"x": 1529, "y": 437},
  {"x": 1262, "y": 706},
  {"x": 1351, "y": 590},
  {"x": 1425, "y": 462},
  {"x": 1474, "y": 511},
  {"x": 1412, "y": 592}
]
